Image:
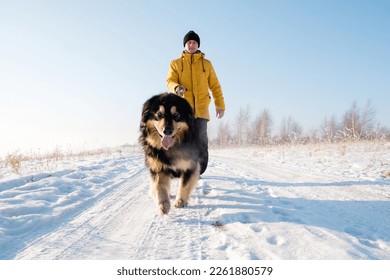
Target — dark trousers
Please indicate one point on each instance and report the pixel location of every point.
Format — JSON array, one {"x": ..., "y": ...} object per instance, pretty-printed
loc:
[{"x": 204, "y": 143}]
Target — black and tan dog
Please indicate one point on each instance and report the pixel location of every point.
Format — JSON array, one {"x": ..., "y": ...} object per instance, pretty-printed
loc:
[{"x": 169, "y": 138}]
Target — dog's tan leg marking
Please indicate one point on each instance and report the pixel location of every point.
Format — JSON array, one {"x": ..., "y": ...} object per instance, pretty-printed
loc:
[
  {"x": 186, "y": 188},
  {"x": 161, "y": 187}
]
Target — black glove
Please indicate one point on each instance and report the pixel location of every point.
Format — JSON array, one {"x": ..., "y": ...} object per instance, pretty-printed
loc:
[{"x": 180, "y": 90}]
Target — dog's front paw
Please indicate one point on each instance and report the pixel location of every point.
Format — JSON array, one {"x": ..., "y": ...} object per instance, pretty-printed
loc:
[
  {"x": 164, "y": 207},
  {"x": 180, "y": 203}
]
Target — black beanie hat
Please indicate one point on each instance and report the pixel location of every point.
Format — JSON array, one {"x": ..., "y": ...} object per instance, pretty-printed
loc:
[{"x": 191, "y": 36}]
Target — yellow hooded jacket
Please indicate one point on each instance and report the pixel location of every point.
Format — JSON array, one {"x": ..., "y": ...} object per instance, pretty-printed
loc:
[{"x": 198, "y": 76}]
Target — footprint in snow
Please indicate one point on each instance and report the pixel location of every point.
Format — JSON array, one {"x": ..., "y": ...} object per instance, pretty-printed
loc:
[
  {"x": 257, "y": 228},
  {"x": 275, "y": 240},
  {"x": 206, "y": 188}
]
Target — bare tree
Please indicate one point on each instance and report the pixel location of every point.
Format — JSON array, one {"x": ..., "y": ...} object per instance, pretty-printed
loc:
[
  {"x": 262, "y": 128},
  {"x": 242, "y": 126},
  {"x": 367, "y": 119},
  {"x": 351, "y": 122},
  {"x": 329, "y": 129},
  {"x": 290, "y": 130},
  {"x": 357, "y": 123}
]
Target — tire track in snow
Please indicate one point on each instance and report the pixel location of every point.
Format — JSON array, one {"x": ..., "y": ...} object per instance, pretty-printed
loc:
[
  {"x": 178, "y": 235},
  {"x": 101, "y": 231}
]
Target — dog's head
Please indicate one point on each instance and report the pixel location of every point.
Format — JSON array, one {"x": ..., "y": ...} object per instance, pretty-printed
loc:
[{"x": 167, "y": 119}]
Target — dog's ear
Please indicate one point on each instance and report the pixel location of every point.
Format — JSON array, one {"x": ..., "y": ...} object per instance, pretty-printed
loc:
[
  {"x": 189, "y": 117},
  {"x": 145, "y": 116},
  {"x": 188, "y": 110},
  {"x": 147, "y": 109},
  {"x": 145, "y": 112}
]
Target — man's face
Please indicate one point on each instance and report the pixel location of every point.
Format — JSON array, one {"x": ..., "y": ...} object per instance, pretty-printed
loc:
[{"x": 191, "y": 46}]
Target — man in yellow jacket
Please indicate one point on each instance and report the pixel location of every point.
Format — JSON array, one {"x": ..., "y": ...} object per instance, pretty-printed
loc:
[{"x": 193, "y": 77}]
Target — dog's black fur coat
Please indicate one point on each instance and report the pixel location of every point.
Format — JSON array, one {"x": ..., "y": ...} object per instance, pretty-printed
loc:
[{"x": 168, "y": 118}]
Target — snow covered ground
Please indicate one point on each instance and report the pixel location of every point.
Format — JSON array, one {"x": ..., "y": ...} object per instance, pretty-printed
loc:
[{"x": 290, "y": 202}]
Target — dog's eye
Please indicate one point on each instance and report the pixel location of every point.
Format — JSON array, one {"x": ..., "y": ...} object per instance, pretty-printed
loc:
[
  {"x": 159, "y": 115},
  {"x": 176, "y": 116}
]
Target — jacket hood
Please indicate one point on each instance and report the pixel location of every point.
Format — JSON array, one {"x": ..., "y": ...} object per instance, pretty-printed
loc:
[{"x": 193, "y": 57}]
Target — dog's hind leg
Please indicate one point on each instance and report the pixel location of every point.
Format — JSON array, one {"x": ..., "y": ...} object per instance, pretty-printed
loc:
[
  {"x": 188, "y": 182},
  {"x": 161, "y": 185}
]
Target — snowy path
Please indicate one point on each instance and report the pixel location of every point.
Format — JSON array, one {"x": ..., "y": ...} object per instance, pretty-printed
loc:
[
  {"x": 103, "y": 230},
  {"x": 245, "y": 207}
]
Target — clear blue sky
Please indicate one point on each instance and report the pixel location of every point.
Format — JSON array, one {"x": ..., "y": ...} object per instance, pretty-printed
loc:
[{"x": 77, "y": 72}]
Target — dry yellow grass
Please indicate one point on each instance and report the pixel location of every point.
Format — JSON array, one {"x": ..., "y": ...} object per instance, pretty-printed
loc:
[{"x": 16, "y": 160}]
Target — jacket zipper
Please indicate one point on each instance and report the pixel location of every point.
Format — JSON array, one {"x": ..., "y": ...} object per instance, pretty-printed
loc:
[{"x": 192, "y": 84}]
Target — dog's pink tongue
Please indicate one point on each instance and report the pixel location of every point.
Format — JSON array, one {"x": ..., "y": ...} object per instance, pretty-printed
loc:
[{"x": 167, "y": 142}]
